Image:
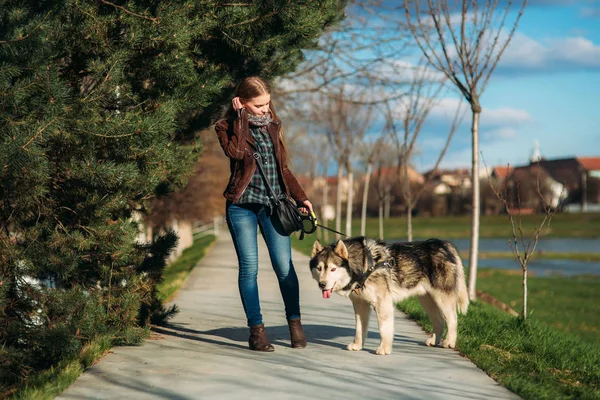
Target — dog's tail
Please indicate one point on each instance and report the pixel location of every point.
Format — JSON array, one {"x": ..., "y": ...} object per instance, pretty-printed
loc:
[{"x": 461, "y": 285}]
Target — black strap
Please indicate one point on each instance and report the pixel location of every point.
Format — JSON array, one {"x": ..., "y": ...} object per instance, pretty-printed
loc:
[
  {"x": 331, "y": 230},
  {"x": 258, "y": 160},
  {"x": 371, "y": 268},
  {"x": 276, "y": 200}
]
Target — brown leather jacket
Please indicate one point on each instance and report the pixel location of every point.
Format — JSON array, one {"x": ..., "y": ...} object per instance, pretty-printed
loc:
[{"x": 238, "y": 144}]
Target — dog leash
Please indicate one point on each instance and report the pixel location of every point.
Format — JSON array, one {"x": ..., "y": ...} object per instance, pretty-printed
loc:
[{"x": 312, "y": 218}]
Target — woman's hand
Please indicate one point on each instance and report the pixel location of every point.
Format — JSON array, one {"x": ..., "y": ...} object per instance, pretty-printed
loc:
[
  {"x": 308, "y": 205},
  {"x": 237, "y": 103}
]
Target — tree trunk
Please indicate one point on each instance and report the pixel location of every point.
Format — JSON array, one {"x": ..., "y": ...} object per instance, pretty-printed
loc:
[
  {"x": 409, "y": 233},
  {"x": 388, "y": 200},
  {"x": 349, "y": 203},
  {"x": 474, "y": 251},
  {"x": 525, "y": 292},
  {"x": 325, "y": 204},
  {"x": 583, "y": 190},
  {"x": 380, "y": 218},
  {"x": 338, "y": 201},
  {"x": 363, "y": 216},
  {"x": 409, "y": 204}
]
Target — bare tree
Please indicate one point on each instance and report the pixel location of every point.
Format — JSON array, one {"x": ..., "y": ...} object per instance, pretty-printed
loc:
[
  {"x": 384, "y": 180},
  {"x": 523, "y": 245},
  {"x": 346, "y": 124},
  {"x": 423, "y": 94},
  {"x": 361, "y": 51},
  {"x": 466, "y": 47},
  {"x": 368, "y": 152}
]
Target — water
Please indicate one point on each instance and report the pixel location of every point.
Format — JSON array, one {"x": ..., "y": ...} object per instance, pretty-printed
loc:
[
  {"x": 543, "y": 267},
  {"x": 571, "y": 245},
  {"x": 539, "y": 267}
]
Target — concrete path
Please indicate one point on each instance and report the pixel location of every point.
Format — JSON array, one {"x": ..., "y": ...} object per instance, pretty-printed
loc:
[{"x": 203, "y": 353}]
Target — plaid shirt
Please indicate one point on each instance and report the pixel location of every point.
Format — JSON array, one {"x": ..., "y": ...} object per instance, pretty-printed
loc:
[{"x": 257, "y": 190}]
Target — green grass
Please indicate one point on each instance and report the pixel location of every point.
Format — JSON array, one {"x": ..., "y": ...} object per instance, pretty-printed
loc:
[
  {"x": 175, "y": 273},
  {"x": 528, "y": 357},
  {"x": 50, "y": 383},
  {"x": 563, "y": 225},
  {"x": 569, "y": 304}
]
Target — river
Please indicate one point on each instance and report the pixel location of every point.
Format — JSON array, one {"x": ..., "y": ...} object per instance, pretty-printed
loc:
[{"x": 539, "y": 267}]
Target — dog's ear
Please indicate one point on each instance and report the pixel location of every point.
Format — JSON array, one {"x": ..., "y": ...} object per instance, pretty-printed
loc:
[
  {"x": 341, "y": 250},
  {"x": 317, "y": 248}
]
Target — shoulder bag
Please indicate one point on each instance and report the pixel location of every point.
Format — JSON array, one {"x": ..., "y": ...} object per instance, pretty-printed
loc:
[{"x": 286, "y": 215}]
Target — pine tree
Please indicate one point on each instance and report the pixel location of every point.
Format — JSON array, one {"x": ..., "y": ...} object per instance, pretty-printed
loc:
[{"x": 100, "y": 102}]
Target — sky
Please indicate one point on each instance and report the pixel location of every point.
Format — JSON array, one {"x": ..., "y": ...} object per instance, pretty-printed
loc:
[{"x": 546, "y": 88}]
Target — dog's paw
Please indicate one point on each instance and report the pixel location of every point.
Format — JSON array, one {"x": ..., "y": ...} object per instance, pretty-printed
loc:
[
  {"x": 430, "y": 342},
  {"x": 383, "y": 350},
  {"x": 448, "y": 344},
  {"x": 354, "y": 347}
]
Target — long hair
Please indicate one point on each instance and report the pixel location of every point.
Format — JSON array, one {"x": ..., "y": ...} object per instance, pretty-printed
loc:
[{"x": 251, "y": 87}]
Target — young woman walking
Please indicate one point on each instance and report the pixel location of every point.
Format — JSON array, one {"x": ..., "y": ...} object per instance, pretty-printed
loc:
[{"x": 251, "y": 125}]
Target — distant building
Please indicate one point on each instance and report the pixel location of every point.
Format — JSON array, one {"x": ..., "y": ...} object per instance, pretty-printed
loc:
[{"x": 574, "y": 181}]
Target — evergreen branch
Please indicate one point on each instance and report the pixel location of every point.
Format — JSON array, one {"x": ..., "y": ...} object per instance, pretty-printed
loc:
[
  {"x": 235, "y": 40},
  {"x": 21, "y": 88},
  {"x": 128, "y": 11},
  {"x": 115, "y": 136},
  {"x": 94, "y": 88},
  {"x": 251, "y": 20},
  {"x": 29, "y": 34},
  {"x": 38, "y": 133}
]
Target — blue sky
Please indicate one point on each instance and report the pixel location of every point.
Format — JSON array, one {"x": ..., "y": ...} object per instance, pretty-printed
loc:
[{"x": 546, "y": 88}]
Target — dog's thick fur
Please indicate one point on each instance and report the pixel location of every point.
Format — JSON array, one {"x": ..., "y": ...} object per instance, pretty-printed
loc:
[{"x": 430, "y": 269}]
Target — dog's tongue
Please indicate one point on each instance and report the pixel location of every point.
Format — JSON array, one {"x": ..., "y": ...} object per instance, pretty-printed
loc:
[{"x": 326, "y": 294}]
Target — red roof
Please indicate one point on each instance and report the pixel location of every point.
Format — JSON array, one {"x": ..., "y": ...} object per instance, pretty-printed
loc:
[
  {"x": 502, "y": 172},
  {"x": 590, "y": 163}
]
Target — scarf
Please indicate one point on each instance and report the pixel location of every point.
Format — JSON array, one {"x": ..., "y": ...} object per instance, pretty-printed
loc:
[{"x": 257, "y": 120}]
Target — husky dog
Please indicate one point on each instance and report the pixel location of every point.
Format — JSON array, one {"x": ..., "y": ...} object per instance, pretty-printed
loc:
[{"x": 376, "y": 275}]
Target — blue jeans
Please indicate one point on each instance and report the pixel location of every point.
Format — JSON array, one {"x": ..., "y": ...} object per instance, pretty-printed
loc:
[{"x": 243, "y": 221}]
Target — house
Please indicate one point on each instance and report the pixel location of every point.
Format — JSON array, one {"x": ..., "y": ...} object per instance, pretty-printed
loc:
[
  {"x": 580, "y": 177},
  {"x": 390, "y": 174},
  {"x": 591, "y": 165},
  {"x": 574, "y": 181},
  {"x": 501, "y": 173},
  {"x": 454, "y": 178},
  {"x": 527, "y": 186}
]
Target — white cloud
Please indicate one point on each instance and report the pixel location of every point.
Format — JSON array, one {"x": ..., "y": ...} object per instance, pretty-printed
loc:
[
  {"x": 500, "y": 134},
  {"x": 527, "y": 54},
  {"x": 498, "y": 117}
]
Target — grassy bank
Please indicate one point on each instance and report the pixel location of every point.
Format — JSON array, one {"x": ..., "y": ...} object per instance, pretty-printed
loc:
[
  {"x": 528, "y": 357},
  {"x": 569, "y": 304},
  {"x": 563, "y": 225},
  {"x": 54, "y": 381}
]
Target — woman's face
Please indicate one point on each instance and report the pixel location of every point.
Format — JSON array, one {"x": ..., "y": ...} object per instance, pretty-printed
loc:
[{"x": 258, "y": 105}]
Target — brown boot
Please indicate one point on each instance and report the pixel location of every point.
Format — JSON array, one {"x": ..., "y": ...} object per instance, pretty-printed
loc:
[
  {"x": 258, "y": 339},
  {"x": 297, "y": 334}
]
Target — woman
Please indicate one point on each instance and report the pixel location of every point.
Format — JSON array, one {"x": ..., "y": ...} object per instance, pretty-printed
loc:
[{"x": 251, "y": 125}]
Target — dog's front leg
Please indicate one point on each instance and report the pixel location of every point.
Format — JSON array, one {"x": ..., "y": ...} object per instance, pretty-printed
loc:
[
  {"x": 362, "y": 309},
  {"x": 385, "y": 318}
]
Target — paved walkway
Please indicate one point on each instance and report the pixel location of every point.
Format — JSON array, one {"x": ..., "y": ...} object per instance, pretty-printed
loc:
[{"x": 203, "y": 353}]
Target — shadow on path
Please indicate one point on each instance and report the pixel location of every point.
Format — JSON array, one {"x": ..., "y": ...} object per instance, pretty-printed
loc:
[{"x": 279, "y": 335}]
